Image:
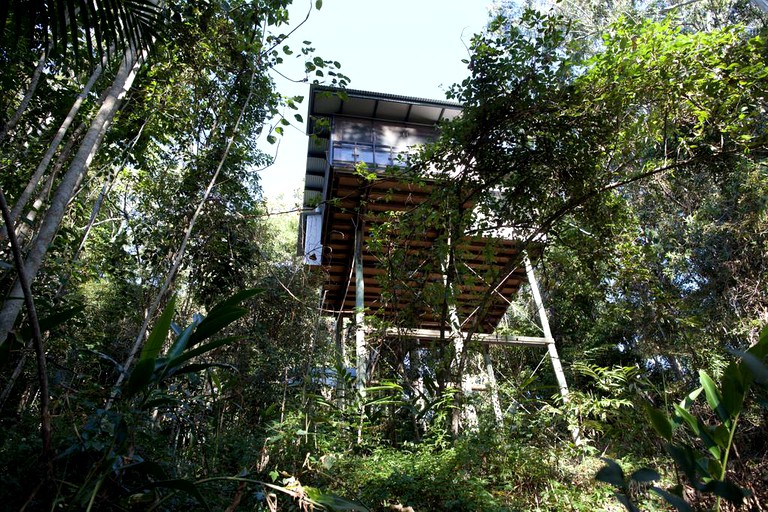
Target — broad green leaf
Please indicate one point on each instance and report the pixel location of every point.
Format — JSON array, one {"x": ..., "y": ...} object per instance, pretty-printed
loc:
[
  {"x": 222, "y": 314},
  {"x": 760, "y": 349},
  {"x": 727, "y": 490},
  {"x": 714, "y": 468},
  {"x": 391, "y": 386},
  {"x": 735, "y": 385},
  {"x": 140, "y": 377},
  {"x": 706, "y": 434},
  {"x": 714, "y": 399},
  {"x": 673, "y": 499},
  {"x": 318, "y": 4},
  {"x": 56, "y": 319},
  {"x": 689, "y": 418},
  {"x": 755, "y": 366},
  {"x": 660, "y": 422},
  {"x": 181, "y": 341},
  {"x": 645, "y": 475},
  {"x": 690, "y": 398},
  {"x": 685, "y": 458},
  {"x": 51, "y": 321},
  {"x": 611, "y": 473},
  {"x": 194, "y": 368},
  {"x": 332, "y": 501},
  {"x": 721, "y": 434},
  {"x": 212, "y": 325},
  {"x": 202, "y": 349},
  {"x": 159, "y": 332}
]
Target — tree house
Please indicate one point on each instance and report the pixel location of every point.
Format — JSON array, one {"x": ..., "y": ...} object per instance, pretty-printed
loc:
[{"x": 343, "y": 206}]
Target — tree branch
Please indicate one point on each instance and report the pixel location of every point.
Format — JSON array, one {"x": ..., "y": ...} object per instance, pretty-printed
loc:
[{"x": 37, "y": 338}]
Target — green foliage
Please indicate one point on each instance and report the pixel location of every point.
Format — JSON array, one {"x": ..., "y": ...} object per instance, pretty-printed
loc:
[
  {"x": 62, "y": 25},
  {"x": 422, "y": 478},
  {"x": 706, "y": 468},
  {"x": 108, "y": 437},
  {"x": 643, "y": 166}
]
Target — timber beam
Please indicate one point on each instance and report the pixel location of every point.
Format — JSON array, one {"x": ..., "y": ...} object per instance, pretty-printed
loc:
[{"x": 485, "y": 339}]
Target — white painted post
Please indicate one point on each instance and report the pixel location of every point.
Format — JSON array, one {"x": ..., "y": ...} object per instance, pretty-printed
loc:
[
  {"x": 361, "y": 352},
  {"x": 553, "y": 355},
  {"x": 493, "y": 387}
]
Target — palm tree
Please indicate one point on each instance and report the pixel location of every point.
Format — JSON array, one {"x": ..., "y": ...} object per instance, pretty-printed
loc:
[{"x": 121, "y": 27}]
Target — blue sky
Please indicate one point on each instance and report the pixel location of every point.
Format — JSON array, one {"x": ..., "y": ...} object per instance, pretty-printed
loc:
[{"x": 407, "y": 47}]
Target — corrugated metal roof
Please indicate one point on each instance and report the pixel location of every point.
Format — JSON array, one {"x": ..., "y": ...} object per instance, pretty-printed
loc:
[
  {"x": 313, "y": 89},
  {"x": 329, "y": 101}
]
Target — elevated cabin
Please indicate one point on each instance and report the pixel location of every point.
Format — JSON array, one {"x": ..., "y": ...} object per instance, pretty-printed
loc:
[
  {"x": 342, "y": 206},
  {"x": 352, "y": 127}
]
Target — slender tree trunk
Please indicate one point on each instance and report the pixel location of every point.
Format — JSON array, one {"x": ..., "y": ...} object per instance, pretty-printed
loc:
[
  {"x": 493, "y": 387},
  {"x": 179, "y": 256},
  {"x": 14, "y": 120},
  {"x": 37, "y": 338},
  {"x": 105, "y": 189},
  {"x": 77, "y": 169},
  {"x": 22, "y": 200},
  {"x": 24, "y": 230}
]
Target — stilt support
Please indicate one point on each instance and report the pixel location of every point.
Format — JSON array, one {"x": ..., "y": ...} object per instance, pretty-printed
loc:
[
  {"x": 361, "y": 351},
  {"x": 553, "y": 355}
]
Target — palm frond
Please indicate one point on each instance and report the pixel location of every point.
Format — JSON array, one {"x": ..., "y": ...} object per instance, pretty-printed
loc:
[{"x": 103, "y": 26}]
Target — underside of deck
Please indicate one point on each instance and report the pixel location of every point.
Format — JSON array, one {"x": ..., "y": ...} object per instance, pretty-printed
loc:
[{"x": 401, "y": 303}]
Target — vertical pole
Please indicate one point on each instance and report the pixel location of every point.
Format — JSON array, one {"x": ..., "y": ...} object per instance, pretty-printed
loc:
[
  {"x": 458, "y": 344},
  {"x": 361, "y": 353},
  {"x": 493, "y": 386},
  {"x": 553, "y": 355},
  {"x": 341, "y": 361}
]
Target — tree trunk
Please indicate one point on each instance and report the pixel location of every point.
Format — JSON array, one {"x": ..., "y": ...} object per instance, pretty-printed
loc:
[
  {"x": 22, "y": 200},
  {"x": 13, "y": 121},
  {"x": 179, "y": 256},
  {"x": 77, "y": 169},
  {"x": 105, "y": 189},
  {"x": 493, "y": 387},
  {"x": 25, "y": 230}
]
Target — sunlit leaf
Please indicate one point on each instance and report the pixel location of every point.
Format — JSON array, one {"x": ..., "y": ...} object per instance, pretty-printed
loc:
[
  {"x": 714, "y": 399},
  {"x": 159, "y": 332}
]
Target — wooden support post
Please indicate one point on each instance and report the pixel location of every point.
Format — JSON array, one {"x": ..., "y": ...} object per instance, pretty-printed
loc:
[
  {"x": 341, "y": 360},
  {"x": 493, "y": 387},
  {"x": 553, "y": 355},
  {"x": 361, "y": 352}
]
